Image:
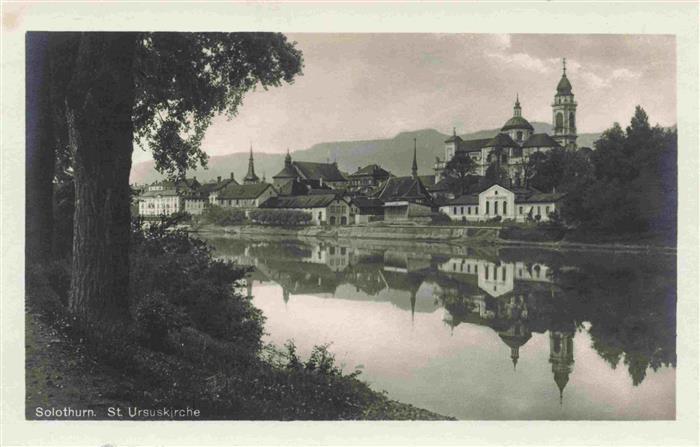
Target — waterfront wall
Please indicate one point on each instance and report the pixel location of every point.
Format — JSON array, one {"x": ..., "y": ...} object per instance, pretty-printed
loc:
[{"x": 375, "y": 232}]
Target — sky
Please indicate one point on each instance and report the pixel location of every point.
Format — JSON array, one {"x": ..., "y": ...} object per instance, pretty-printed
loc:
[{"x": 371, "y": 86}]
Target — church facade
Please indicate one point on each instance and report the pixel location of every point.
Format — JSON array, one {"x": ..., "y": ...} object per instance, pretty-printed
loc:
[{"x": 516, "y": 142}]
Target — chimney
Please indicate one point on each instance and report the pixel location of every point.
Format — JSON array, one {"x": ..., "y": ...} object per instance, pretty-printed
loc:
[
  {"x": 218, "y": 179},
  {"x": 232, "y": 176}
]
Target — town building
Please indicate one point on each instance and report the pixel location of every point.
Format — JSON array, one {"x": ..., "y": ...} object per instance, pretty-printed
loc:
[
  {"x": 405, "y": 198},
  {"x": 367, "y": 178},
  {"x": 515, "y": 204},
  {"x": 365, "y": 209},
  {"x": 196, "y": 200},
  {"x": 318, "y": 175},
  {"x": 166, "y": 197},
  {"x": 325, "y": 209},
  {"x": 511, "y": 148},
  {"x": 246, "y": 196}
]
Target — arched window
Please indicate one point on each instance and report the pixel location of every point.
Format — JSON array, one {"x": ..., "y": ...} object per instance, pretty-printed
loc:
[
  {"x": 487, "y": 207},
  {"x": 505, "y": 210},
  {"x": 520, "y": 135},
  {"x": 559, "y": 125},
  {"x": 572, "y": 120}
]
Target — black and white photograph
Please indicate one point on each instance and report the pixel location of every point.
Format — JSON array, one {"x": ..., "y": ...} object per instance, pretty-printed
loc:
[{"x": 284, "y": 226}]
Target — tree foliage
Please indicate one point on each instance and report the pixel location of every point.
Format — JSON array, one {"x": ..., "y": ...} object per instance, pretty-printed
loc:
[
  {"x": 109, "y": 90},
  {"x": 458, "y": 172},
  {"x": 183, "y": 80},
  {"x": 633, "y": 184}
]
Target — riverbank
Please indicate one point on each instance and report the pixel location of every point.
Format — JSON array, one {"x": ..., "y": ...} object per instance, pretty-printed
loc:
[
  {"x": 90, "y": 371},
  {"x": 441, "y": 234}
]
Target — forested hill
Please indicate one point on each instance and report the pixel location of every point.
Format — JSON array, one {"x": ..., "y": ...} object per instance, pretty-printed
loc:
[{"x": 393, "y": 154}]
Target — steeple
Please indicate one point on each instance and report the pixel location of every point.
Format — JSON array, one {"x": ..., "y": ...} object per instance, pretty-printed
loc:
[
  {"x": 414, "y": 167},
  {"x": 564, "y": 112},
  {"x": 250, "y": 177},
  {"x": 288, "y": 159},
  {"x": 517, "y": 111}
]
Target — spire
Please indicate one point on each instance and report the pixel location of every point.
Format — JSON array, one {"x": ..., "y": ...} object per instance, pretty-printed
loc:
[
  {"x": 250, "y": 177},
  {"x": 514, "y": 355},
  {"x": 288, "y": 159},
  {"x": 564, "y": 64},
  {"x": 517, "y": 111},
  {"x": 414, "y": 167}
]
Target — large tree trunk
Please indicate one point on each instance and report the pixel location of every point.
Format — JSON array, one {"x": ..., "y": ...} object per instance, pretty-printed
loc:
[
  {"x": 39, "y": 151},
  {"x": 99, "y": 104}
]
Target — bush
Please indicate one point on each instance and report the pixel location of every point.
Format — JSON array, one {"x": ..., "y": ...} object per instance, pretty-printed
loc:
[
  {"x": 174, "y": 265},
  {"x": 217, "y": 215},
  {"x": 156, "y": 317},
  {"x": 280, "y": 217},
  {"x": 440, "y": 218}
]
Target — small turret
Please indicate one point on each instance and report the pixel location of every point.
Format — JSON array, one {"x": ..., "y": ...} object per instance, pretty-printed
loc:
[{"x": 414, "y": 166}]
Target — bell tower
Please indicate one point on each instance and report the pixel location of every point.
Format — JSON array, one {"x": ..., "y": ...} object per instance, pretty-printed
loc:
[
  {"x": 561, "y": 356},
  {"x": 564, "y": 113}
]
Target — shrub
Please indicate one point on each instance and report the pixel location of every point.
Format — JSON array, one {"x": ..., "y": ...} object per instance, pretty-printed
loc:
[
  {"x": 280, "y": 217},
  {"x": 218, "y": 215},
  {"x": 440, "y": 218},
  {"x": 156, "y": 317},
  {"x": 174, "y": 265}
]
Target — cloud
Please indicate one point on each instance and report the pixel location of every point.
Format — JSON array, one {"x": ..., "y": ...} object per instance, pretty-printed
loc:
[
  {"x": 525, "y": 61},
  {"x": 623, "y": 73}
]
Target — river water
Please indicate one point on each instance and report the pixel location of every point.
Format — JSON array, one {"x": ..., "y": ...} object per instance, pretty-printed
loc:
[{"x": 478, "y": 333}]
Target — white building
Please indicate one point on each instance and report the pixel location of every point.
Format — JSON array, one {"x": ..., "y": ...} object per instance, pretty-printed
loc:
[
  {"x": 516, "y": 204},
  {"x": 165, "y": 198}
]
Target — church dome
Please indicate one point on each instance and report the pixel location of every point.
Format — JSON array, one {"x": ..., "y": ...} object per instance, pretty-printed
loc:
[
  {"x": 517, "y": 122},
  {"x": 564, "y": 86},
  {"x": 515, "y": 341}
]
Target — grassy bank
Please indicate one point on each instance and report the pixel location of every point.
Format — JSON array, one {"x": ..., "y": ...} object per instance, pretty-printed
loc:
[{"x": 204, "y": 362}]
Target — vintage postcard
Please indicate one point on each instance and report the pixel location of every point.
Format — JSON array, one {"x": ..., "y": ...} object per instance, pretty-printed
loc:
[{"x": 279, "y": 223}]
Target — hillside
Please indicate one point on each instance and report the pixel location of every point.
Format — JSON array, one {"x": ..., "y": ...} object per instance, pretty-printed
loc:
[{"x": 393, "y": 154}]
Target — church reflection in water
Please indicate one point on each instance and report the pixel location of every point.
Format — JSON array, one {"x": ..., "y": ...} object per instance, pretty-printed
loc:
[{"x": 514, "y": 293}]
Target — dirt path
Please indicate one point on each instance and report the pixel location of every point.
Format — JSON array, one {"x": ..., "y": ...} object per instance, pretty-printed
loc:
[{"x": 62, "y": 381}]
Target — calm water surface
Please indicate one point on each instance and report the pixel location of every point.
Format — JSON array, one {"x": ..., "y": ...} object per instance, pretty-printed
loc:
[{"x": 478, "y": 333}]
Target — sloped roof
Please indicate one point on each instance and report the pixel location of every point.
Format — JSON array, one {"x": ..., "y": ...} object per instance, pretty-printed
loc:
[
  {"x": 403, "y": 188},
  {"x": 539, "y": 197},
  {"x": 427, "y": 180},
  {"x": 251, "y": 191},
  {"x": 466, "y": 199},
  {"x": 456, "y": 138},
  {"x": 207, "y": 188},
  {"x": 540, "y": 140},
  {"x": 473, "y": 145},
  {"x": 164, "y": 192},
  {"x": 442, "y": 185},
  {"x": 372, "y": 170},
  {"x": 311, "y": 201},
  {"x": 502, "y": 140},
  {"x": 293, "y": 188},
  {"x": 286, "y": 172},
  {"x": 327, "y": 171},
  {"x": 367, "y": 202}
]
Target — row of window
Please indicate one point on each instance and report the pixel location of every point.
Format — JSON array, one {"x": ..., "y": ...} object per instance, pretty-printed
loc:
[
  {"x": 475, "y": 209},
  {"x": 504, "y": 209}
]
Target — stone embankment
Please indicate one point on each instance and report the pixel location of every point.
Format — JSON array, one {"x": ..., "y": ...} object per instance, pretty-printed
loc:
[
  {"x": 429, "y": 235},
  {"x": 424, "y": 233}
]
